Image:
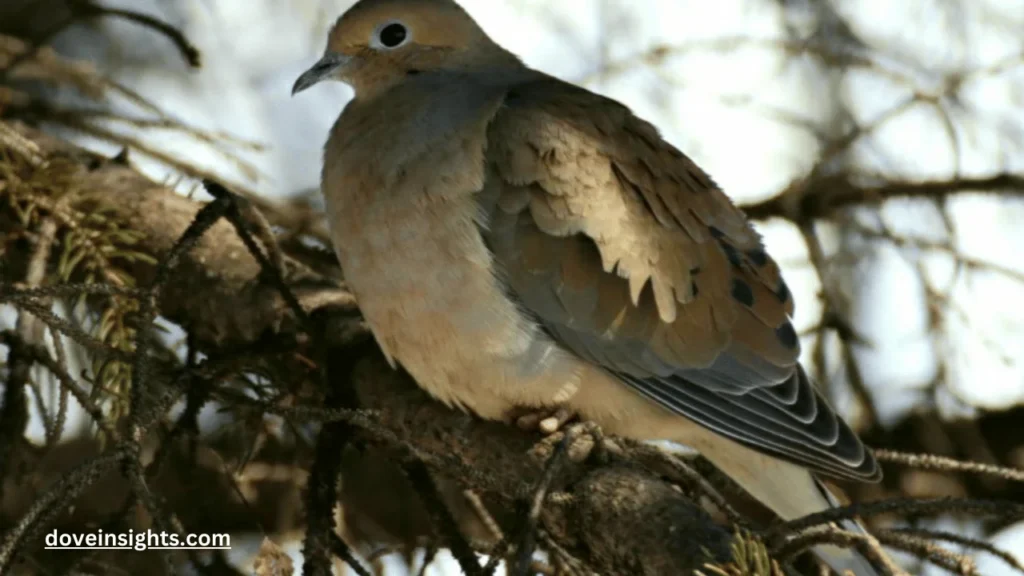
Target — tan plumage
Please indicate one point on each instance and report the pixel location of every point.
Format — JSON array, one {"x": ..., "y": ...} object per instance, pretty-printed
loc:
[{"x": 517, "y": 241}]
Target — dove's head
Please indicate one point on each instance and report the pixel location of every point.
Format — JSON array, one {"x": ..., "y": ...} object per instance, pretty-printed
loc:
[{"x": 377, "y": 43}]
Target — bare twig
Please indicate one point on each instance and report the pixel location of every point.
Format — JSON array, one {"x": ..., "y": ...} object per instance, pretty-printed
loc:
[
  {"x": 446, "y": 524},
  {"x": 527, "y": 541},
  {"x": 961, "y": 564},
  {"x": 40, "y": 355},
  {"x": 89, "y": 9},
  {"x": 965, "y": 541},
  {"x": 905, "y": 506},
  {"x": 866, "y": 544},
  {"x": 274, "y": 269},
  {"x": 829, "y": 195},
  {"x": 342, "y": 550},
  {"x": 14, "y": 413},
  {"x": 932, "y": 462}
]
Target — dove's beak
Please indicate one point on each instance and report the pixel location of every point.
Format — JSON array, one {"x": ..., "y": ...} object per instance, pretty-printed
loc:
[{"x": 326, "y": 68}]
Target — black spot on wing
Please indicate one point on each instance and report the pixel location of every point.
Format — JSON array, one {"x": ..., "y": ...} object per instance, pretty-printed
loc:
[
  {"x": 758, "y": 256},
  {"x": 742, "y": 293},
  {"x": 782, "y": 292},
  {"x": 787, "y": 335},
  {"x": 732, "y": 254}
]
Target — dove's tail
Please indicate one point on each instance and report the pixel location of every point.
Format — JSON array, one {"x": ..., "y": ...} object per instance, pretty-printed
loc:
[{"x": 791, "y": 492}]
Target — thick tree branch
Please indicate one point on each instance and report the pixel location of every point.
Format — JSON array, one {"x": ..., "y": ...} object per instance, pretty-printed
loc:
[
  {"x": 628, "y": 520},
  {"x": 217, "y": 291}
]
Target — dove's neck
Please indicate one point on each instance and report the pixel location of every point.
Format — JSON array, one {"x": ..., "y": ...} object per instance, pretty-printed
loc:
[
  {"x": 388, "y": 131},
  {"x": 490, "y": 64}
]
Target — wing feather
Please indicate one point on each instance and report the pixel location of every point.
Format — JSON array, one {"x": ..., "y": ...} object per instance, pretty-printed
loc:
[{"x": 630, "y": 256}]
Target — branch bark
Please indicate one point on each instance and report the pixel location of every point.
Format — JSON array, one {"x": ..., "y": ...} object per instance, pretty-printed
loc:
[
  {"x": 628, "y": 520},
  {"x": 217, "y": 290}
]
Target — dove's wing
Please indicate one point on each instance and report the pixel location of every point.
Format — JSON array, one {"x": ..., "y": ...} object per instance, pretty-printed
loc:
[{"x": 629, "y": 255}]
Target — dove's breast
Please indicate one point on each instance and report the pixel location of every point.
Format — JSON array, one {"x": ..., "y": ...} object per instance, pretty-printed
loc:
[{"x": 409, "y": 244}]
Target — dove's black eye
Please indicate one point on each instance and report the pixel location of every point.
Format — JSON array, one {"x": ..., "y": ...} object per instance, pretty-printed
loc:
[{"x": 392, "y": 35}]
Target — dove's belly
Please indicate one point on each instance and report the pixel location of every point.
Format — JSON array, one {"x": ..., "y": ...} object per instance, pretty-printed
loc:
[{"x": 423, "y": 279}]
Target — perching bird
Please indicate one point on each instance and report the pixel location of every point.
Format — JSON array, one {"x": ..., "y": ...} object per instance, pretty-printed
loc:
[{"x": 517, "y": 241}]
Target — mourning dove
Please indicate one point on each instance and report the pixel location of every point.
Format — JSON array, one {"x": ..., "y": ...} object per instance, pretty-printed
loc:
[{"x": 517, "y": 241}]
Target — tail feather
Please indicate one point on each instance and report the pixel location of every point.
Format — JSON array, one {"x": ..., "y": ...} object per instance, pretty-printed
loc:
[{"x": 791, "y": 492}]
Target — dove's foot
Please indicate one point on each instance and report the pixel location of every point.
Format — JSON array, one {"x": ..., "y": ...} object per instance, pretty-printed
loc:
[
  {"x": 547, "y": 421},
  {"x": 584, "y": 438},
  {"x": 581, "y": 441}
]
